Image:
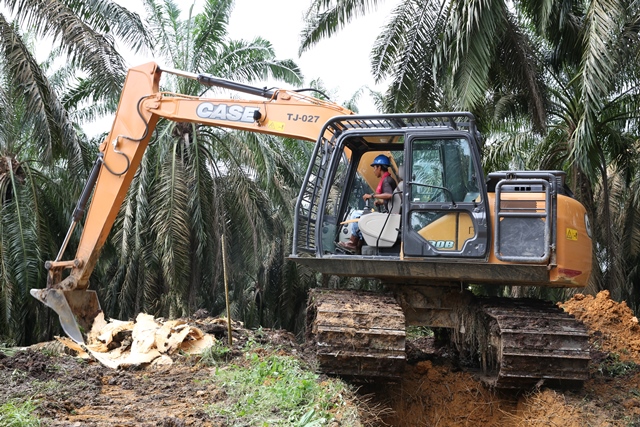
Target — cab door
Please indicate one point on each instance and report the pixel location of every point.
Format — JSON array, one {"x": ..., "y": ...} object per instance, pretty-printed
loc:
[{"x": 445, "y": 205}]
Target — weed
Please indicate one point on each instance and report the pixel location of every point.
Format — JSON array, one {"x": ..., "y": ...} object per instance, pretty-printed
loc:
[
  {"x": 414, "y": 332},
  {"x": 218, "y": 352},
  {"x": 18, "y": 376},
  {"x": 45, "y": 386},
  {"x": 276, "y": 390},
  {"x": 631, "y": 421},
  {"x": 612, "y": 366},
  {"x": 54, "y": 367},
  {"x": 18, "y": 414},
  {"x": 49, "y": 351},
  {"x": 309, "y": 420},
  {"x": 7, "y": 350}
]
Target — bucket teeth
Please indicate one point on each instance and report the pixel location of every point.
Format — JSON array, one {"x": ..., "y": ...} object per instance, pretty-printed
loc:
[{"x": 76, "y": 309}]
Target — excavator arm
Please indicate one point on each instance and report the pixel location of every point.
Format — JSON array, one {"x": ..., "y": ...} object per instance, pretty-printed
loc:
[{"x": 281, "y": 112}]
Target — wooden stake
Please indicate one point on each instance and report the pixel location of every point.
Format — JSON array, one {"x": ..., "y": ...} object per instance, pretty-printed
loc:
[{"x": 226, "y": 292}]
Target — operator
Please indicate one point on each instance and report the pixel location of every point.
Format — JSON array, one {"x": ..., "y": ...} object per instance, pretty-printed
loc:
[{"x": 382, "y": 195}]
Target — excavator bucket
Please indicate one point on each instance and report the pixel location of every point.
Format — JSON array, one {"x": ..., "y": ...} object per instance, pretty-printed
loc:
[{"x": 76, "y": 309}]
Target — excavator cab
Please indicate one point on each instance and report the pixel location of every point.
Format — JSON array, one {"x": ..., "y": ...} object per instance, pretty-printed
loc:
[
  {"x": 440, "y": 208},
  {"x": 453, "y": 226}
]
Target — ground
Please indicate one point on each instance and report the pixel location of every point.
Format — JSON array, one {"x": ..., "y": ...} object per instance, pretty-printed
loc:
[{"x": 68, "y": 391}]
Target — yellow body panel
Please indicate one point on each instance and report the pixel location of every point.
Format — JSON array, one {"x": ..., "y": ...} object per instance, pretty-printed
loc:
[
  {"x": 449, "y": 232},
  {"x": 570, "y": 263},
  {"x": 574, "y": 247}
]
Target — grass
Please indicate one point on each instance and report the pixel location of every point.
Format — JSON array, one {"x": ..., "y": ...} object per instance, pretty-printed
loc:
[
  {"x": 268, "y": 389},
  {"x": 612, "y": 366},
  {"x": 215, "y": 354},
  {"x": 7, "y": 350},
  {"x": 414, "y": 332},
  {"x": 18, "y": 414}
]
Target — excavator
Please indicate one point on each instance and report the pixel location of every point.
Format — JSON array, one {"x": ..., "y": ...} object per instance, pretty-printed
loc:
[{"x": 450, "y": 233}]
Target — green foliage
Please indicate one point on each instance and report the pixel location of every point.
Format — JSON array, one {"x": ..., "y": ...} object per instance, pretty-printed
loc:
[
  {"x": 268, "y": 389},
  {"x": 414, "y": 332},
  {"x": 7, "y": 350},
  {"x": 18, "y": 414},
  {"x": 215, "y": 354},
  {"x": 612, "y": 366}
]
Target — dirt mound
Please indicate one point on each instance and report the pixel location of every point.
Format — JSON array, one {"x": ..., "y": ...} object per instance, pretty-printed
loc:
[
  {"x": 612, "y": 325},
  {"x": 552, "y": 408},
  {"x": 433, "y": 391},
  {"x": 32, "y": 363},
  {"x": 61, "y": 384},
  {"x": 434, "y": 394}
]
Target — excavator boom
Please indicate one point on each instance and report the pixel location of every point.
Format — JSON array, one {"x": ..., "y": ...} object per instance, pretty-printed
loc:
[{"x": 279, "y": 112}]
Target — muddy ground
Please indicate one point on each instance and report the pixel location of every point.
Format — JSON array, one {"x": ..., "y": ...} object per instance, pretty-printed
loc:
[{"x": 433, "y": 391}]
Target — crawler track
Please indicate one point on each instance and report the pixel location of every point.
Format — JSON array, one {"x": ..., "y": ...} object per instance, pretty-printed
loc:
[
  {"x": 531, "y": 342},
  {"x": 522, "y": 343},
  {"x": 357, "y": 334}
]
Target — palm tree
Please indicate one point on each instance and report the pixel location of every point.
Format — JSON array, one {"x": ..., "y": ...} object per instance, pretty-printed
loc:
[
  {"x": 34, "y": 209},
  {"x": 40, "y": 144},
  {"x": 84, "y": 34},
  {"x": 445, "y": 55}
]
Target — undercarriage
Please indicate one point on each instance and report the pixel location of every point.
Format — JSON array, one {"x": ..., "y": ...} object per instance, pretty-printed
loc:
[{"x": 514, "y": 343}]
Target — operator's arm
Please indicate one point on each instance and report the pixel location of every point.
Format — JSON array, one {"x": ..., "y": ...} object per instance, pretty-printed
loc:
[{"x": 387, "y": 191}]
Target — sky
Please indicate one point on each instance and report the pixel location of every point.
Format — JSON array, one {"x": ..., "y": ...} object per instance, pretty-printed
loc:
[{"x": 341, "y": 62}]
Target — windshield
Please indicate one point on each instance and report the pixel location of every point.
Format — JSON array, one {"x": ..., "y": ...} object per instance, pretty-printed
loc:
[{"x": 442, "y": 171}]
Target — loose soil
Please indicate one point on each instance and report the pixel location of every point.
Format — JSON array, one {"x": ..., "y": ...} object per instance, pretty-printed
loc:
[{"x": 434, "y": 391}]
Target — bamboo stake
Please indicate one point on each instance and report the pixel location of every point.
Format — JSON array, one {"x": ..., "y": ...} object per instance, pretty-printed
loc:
[{"x": 226, "y": 292}]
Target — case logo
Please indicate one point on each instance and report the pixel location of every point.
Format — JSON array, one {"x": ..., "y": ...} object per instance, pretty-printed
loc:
[{"x": 232, "y": 113}]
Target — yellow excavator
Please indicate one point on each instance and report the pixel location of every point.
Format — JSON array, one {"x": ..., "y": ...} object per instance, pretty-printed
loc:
[{"x": 448, "y": 230}]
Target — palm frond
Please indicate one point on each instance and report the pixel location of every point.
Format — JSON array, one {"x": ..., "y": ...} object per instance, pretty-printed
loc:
[
  {"x": 21, "y": 260},
  {"x": 407, "y": 50},
  {"x": 325, "y": 17},
  {"x": 85, "y": 47},
  {"x": 251, "y": 61},
  {"x": 473, "y": 29},
  {"x": 107, "y": 16},
  {"x": 54, "y": 131},
  {"x": 170, "y": 221},
  {"x": 210, "y": 30},
  {"x": 561, "y": 22},
  {"x": 163, "y": 22},
  {"x": 520, "y": 73},
  {"x": 599, "y": 70}
]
